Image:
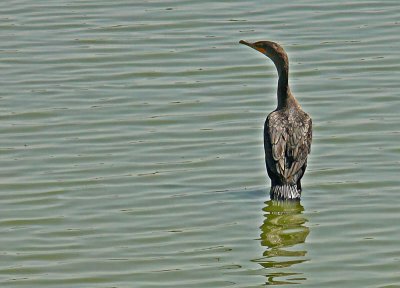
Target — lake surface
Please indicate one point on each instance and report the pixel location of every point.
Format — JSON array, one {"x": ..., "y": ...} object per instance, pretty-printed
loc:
[{"x": 131, "y": 144}]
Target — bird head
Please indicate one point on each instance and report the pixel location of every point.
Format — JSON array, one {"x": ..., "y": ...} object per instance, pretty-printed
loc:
[{"x": 272, "y": 50}]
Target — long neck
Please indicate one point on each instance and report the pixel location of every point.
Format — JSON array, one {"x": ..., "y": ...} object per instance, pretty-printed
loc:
[{"x": 285, "y": 97}]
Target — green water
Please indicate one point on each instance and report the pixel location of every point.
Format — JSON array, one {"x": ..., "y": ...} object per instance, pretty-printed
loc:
[{"x": 131, "y": 144}]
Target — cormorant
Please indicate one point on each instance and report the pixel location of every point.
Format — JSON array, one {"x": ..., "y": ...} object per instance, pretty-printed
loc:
[{"x": 287, "y": 131}]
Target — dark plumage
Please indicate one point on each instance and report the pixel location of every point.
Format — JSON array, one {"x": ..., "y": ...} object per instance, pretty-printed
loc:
[{"x": 287, "y": 131}]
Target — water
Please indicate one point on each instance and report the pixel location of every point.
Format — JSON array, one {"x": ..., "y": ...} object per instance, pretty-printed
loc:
[{"x": 132, "y": 154}]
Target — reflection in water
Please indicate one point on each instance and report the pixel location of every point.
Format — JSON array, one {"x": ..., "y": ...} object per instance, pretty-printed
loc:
[{"x": 283, "y": 229}]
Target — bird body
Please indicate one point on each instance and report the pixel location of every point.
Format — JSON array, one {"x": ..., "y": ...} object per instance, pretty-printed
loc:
[{"x": 287, "y": 131}]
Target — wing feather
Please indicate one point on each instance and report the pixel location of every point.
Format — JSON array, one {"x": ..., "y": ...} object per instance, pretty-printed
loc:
[{"x": 287, "y": 142}]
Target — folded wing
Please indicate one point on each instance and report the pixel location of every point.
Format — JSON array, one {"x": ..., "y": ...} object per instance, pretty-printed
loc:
[{"x": 287, "y": 142}]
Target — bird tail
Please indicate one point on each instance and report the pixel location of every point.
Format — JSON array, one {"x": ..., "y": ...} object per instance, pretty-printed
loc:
[{"x": 285, "y": 192}]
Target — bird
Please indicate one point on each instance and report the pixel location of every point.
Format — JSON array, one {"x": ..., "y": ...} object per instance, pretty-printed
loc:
[{"x": 287, "y": 131}]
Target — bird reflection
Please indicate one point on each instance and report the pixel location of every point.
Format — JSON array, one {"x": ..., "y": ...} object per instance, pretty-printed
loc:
[{"x": 283, "y": 229}]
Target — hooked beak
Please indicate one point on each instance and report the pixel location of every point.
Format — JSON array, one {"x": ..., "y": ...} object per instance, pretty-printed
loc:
[{"x": 262, "y": 50}]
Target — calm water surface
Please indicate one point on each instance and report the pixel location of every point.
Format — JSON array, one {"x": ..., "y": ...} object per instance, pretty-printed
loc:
[{"x": 131, "y": 147}]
